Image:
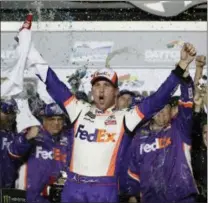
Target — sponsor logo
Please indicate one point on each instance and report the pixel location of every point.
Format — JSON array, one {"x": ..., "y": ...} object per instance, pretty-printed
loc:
[
  {"x": 128, "y": 81},
  {"x": 111, "y": 120},
  {"x": 56, "y": 109},
  {"x": 64, "y": 141},
  {"x": 100, "y": 135},
  {"x": 190, "y": 93},
  {"x": 8, "y": 199},
  {"x": 98, "y": 112},
  {"x": 102, "y": 74},
  {"x": 55, "y": 154},
  {"x": 160, "y": 143},
  {"x": 40, "y": 153},
  {"x": 144, "y": 132},
  {"x": 5, "y": 143},
  {"x": 89, "y": 116},
  {"x": 91, "y": 51},
  {"x": 162, "y": 55}
]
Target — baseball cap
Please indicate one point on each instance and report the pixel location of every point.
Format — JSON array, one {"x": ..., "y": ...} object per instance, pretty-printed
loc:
[
  {"x": 125, "y": 91},
  {"x": 105, "y": 74},
  {"x": 51, "y": 109},
  {"x": 8, "y": 106}
]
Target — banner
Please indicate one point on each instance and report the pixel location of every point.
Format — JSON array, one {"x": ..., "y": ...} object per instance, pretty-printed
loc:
[
  {"x": 141, "y": 49},
  {"x": 90, "y": 51}
]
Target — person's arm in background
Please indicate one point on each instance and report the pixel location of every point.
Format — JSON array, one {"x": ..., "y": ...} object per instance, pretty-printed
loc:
[
  {"x": 200, "y": 63},
  {"x": 22, "y": 143},
  {"x": 133, "y": 173},
  {"x": 154, "y": 103},
  {"x": 59, "y": 92},
  {"x": 198, "y": 114},
  {"x": 199, "y": 91}
]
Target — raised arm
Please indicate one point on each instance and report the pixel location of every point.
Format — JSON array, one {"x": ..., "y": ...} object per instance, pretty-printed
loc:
[
  {"x": 200, "y": 63},
  {"x": 54, "y": 86},
  {"x": 154, "y": 103}
]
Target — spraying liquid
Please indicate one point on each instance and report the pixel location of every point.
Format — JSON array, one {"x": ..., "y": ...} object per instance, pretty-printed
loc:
[{"x": 111, "y": 55}]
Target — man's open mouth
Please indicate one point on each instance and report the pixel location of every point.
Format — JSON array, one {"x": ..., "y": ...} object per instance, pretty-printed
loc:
[{"x": 101, "y": 99}]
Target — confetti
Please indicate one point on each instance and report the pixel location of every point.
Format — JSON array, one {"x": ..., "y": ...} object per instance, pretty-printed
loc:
[{"x": 175, "y": 43}]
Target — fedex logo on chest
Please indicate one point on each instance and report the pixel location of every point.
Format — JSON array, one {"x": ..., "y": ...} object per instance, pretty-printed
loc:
[
  {"x": 160, "y": 143},
  {"x": 5, "y": 143},
  {"x": 100, "y": 135},
  {"x": 54, "y": 154}
]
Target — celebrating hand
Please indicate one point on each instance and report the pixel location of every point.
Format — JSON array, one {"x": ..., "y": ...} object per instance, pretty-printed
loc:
[
  {"x": 200, "y": 61},
  {"x": 188, "y": 53}
]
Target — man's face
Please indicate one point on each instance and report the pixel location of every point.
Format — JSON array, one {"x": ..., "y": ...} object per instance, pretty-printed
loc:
[
  {"x": 163, "y": 117},
  {"x": 53, "y": 124},
  {"x": 204, "y": 133},
  {"x": 104, "y": 94},
  {"x": 7, "y": 120},
  {"x": 124, "y": 101}
]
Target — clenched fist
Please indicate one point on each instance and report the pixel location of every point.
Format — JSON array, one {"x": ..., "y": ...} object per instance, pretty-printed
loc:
[
  {"x": 188, "y": 53},
  {"x": 32, "y": 132},
  {"x": 200, "y": 61}
]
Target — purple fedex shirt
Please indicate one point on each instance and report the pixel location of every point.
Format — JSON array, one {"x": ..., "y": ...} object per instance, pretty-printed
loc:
[
  {"x": 160, "y": 167},
  {"x": 47, "y": 156},
  {"x": 8, "y": 166}
]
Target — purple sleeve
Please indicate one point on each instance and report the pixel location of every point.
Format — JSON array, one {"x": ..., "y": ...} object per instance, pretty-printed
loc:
[
  {"x": 62, "y": 95},
  {"x": 19, "y": 147},
  {"x": 56, "y": 88},
  {"x": 183, "y": 121},
  {"x": 154, "y": 103},
  {"x": 133, "y": 181}
]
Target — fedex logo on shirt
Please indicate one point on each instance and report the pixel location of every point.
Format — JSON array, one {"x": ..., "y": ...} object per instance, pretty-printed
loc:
[
  {"x": 100, "y": 135},
  {"x": 5, "y": 143},
  {"x": 55, "y": 154},
  {"x": 159, "y": 143}
]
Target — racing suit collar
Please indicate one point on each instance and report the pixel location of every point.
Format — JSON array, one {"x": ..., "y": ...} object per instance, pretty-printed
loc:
[{"x": 107, "y": 111}]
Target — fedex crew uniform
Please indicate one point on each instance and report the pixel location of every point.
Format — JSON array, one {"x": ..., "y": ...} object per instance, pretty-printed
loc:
[
  {"x": 47, "y": 156},
  {"x": 160, "y": 167},
  {"x": 8, "y": 166},
  {"x": 99, "y": 136}
]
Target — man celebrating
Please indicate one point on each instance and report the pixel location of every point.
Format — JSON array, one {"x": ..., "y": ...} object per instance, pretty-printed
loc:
[
  {"x": 100, "y": 131},
  {"x": 160, "y": 165}
]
